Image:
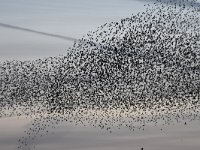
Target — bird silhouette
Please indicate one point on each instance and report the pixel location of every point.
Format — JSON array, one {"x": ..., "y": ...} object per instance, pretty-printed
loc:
[{"x": 140, "y": 70}]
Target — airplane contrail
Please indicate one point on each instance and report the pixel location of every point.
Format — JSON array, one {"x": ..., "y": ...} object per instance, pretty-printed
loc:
[{"x": 38, "y": 32}]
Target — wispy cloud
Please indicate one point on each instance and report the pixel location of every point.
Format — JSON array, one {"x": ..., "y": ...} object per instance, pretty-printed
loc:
[{"x": 37, "y": 32}]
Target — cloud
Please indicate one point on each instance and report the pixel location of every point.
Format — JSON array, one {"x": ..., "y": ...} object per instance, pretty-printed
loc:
[{"x": 37, "y": 32}]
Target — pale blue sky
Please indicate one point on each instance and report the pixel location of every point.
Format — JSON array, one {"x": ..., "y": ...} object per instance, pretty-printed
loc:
[
  {"x": 66, "y": 17},
  {"x": 72, "y": 18}
]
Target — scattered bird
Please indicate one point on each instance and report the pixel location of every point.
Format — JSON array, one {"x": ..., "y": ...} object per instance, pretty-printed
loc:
[{"x": 143, "y": 69}]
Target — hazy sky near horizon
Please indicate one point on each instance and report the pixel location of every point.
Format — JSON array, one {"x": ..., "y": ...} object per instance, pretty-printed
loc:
[
  {"x": 72, "y": 18},
  {"x": 67, "y": 135}
]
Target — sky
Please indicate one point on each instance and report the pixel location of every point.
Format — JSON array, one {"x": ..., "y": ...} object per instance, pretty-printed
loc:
[
  {"x": 69, "y": 136},
  {"x": 71, "y": 18}
]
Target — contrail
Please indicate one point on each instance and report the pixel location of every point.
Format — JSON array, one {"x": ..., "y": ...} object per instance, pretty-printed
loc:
[{"x": 38, "y": 32}]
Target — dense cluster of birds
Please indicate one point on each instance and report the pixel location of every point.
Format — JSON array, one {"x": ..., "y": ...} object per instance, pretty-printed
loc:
[{"x": 141, "y": 69}]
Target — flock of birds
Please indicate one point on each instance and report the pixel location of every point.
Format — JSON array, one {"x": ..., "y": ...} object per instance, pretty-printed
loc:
[{"x": 143, "y": 69}]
